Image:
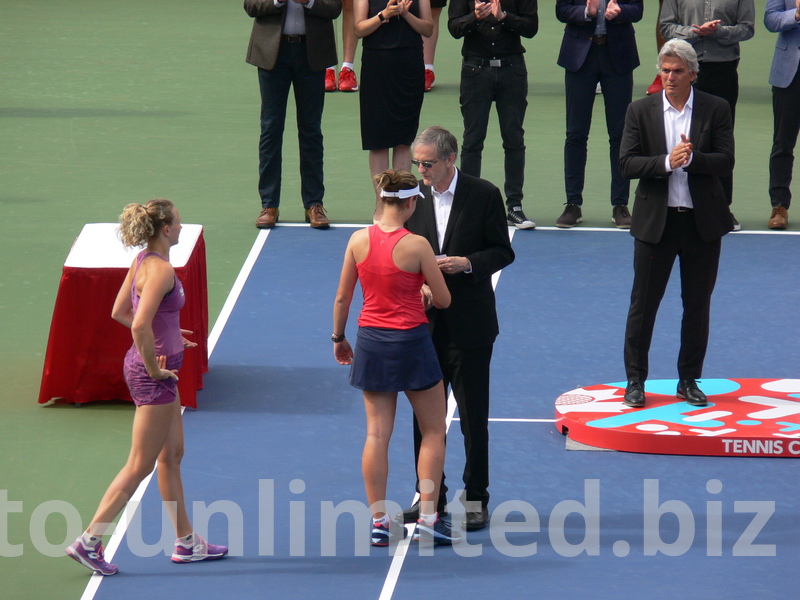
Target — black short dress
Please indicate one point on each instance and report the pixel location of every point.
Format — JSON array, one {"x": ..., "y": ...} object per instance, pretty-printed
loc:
[{"x": 392, "y": 82}]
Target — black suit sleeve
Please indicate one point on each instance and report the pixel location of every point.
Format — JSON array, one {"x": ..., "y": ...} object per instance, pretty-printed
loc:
[
  {"x": 496, "y": 253},
  {"x": 715, "y": 156},
  {"x": 637, "y": 158}
]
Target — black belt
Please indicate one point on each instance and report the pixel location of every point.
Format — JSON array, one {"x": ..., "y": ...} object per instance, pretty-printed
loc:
[
  {"x": 506, "y": 61},
  {"x": 294, "y": 39},
  {"x": 680, "y": 209},
  {"x": 600, "y": 40}
]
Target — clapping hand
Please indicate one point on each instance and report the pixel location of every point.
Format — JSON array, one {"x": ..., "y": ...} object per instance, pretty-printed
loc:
[
  {"x": 482, "y": 9},
  {"x": 706, "y": 28},
  {"x": 612, "y": 10},
  {"x": 682, "y": 153},
  {"x": 393, "y": 8},
  {"x": 497, "y": 10}
]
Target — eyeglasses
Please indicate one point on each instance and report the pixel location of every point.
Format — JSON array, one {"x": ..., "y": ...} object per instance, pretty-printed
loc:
[{"x": 424, "y": 163}]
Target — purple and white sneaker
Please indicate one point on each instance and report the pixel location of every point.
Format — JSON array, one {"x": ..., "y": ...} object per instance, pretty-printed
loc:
[
  {"x": 199, "y": 550},
  {"x": 91, "y": 557}
]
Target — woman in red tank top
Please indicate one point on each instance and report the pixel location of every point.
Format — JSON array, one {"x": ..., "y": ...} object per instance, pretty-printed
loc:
[{"x": 394, "y": 351}]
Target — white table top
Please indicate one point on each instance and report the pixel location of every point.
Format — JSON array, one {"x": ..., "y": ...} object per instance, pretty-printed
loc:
[{"x": 98, "y": 247}]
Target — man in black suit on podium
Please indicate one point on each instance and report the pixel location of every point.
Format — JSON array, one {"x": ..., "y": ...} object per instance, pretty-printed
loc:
[
  {"x": 464, "y": 219},
  {"x": 678, "y": 144}
]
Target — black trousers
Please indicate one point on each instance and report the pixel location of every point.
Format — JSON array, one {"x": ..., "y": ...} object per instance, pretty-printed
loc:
[
  {"x": 785, "y": 103},
  {"x": 466, "y": 372},
  {"x": 652, "y": 265},
  {"x": 721, "y": 79}
]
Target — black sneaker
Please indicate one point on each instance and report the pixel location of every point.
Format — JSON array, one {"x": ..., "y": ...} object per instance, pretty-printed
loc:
[
  {"x": 440, "y": 532},
  {"x": 571, "y": 216},
  {"x": 621, "y": 217},
  {"x": 518, "y": 219}
]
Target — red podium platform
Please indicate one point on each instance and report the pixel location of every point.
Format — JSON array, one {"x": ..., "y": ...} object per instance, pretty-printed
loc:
[
  {"x": 744, "y": 417},
  {"x": 86, "y": 346}
]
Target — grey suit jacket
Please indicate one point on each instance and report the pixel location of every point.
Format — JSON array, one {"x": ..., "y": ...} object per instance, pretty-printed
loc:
[
  {"x": 779, "y": 18},
  {"x": 642, "y": 156},
  {"x": 265, "y": 39}
]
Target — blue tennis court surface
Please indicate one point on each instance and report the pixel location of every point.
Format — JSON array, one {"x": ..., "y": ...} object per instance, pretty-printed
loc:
[{"x": 276, "y": 445}]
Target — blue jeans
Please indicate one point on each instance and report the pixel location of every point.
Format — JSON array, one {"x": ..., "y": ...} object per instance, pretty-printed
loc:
[
  {"x": 507, "y": 87},
  {"x": 291, "y": 70},
  {"x": 581, "y": 88}
]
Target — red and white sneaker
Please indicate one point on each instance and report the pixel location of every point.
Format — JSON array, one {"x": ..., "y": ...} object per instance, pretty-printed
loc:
[
  {"x": 347, "y": 80},
  {"x": 430, "y": 78},
  {"x": 197, "y": 550},
  {"x": 655, "y": 87},
  {"x": 330, "y": 80}
]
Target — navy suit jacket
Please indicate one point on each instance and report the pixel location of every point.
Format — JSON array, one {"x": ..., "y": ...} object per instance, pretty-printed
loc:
[
  {"x": 643, "y": 153},
  {"x": 579, "y": 31},
  {"x": 476, "y": 229}
]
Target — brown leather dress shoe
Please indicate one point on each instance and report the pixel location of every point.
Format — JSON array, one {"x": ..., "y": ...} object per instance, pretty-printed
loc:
[
  {"x": 316, "y": 216},
  {"x": 267, "y": 218},
  {"x": 779, "y": 219}
]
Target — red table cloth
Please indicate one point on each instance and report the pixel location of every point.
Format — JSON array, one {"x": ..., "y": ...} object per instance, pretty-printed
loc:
[{"x": 86, "y": 346}]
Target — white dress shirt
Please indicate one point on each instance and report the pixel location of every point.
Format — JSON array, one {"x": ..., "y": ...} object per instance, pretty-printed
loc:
[
  {"x": 442, "y": 205},
  {"x": 676, "y": 123}
]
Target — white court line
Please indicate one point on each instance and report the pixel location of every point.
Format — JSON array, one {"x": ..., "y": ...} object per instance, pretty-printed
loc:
[
  {"x": 233, "y": 295},
  {"x": 400, "y": 553}
]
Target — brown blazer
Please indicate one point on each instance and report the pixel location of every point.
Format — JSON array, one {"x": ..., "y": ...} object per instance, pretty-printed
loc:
[
  {"x": 643, "y": 153},
  {"x": 265, "y": 39}
]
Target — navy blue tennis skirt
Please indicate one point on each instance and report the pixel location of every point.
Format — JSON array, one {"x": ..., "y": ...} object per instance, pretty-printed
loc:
[{"x": 394, "y": 360}]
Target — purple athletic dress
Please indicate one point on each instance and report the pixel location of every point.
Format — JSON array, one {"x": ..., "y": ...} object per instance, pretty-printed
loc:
[{"x": 167, "y": 331}]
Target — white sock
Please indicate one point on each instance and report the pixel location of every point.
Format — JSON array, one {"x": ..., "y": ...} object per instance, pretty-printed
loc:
[
  {"x": 429, "y": 67},
  {"x": 187, "y": 540},
  {"x": 332, "y": 67},
  {"x": 348, "y": 65},
  {"x": 88, "y": 539},
  {"x": 384, "y": 521},
  {"x": 429, "y": 519}
]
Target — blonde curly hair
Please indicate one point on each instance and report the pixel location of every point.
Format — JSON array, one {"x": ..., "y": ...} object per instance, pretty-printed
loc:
[{"x": 139, "y": 223}]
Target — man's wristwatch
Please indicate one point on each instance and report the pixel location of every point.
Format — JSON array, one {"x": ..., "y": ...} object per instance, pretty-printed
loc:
[
  {"x": 337, "y": 338},
  {"x": 382, "y": 18}
]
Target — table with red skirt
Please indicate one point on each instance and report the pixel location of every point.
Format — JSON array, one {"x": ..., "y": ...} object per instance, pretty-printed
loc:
[{"x": 86, "y": 347}]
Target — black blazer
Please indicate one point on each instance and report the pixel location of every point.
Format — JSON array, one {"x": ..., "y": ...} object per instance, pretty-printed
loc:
[
  {"x": 578, "y": 32},
  {"x": 476, "y": 229},
  {"x": 643, "y": 153}
]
